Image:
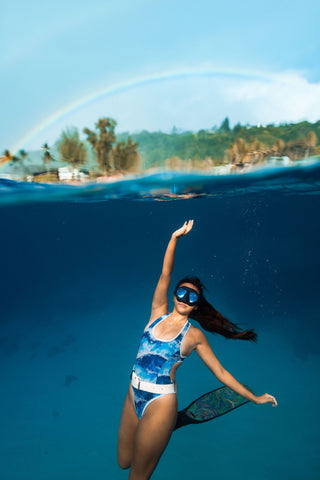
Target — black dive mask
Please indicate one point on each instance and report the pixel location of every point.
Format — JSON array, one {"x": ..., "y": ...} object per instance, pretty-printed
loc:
[{"x": 186, "y": 295}]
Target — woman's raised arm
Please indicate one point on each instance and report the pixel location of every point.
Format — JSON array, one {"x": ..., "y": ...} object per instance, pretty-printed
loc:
[{"x": 160, "y": 297}]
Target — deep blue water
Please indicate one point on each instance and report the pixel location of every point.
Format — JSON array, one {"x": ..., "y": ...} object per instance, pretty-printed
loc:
[{"x": 77, "y": 278}]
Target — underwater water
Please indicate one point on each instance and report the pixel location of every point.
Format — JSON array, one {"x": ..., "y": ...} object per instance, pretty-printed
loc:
[{"x": 78, "y": 270}]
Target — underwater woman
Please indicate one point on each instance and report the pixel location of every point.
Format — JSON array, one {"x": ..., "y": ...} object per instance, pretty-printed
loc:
[{"x": 150, "y": 409}]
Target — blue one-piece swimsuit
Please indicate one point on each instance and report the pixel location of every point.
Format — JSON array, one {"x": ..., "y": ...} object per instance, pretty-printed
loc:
[{"x": 154, "y": 361}]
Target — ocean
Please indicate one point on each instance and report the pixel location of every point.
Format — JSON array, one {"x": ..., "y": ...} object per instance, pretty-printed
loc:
[{"x": 79, "y": 266}]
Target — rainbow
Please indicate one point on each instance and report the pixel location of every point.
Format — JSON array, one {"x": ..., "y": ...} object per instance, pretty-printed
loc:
[{"x": 129, "y": 85}]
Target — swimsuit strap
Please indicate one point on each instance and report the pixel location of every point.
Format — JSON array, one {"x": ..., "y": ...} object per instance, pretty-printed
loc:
[
  {"x": 153, "y": 324},
  {"x": 185, "y": 329}
]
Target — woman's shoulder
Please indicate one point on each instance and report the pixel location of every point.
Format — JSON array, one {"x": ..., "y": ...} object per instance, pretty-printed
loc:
[
  {"x": 194, "y": 338},
  {"x": 196, "y": 334}
]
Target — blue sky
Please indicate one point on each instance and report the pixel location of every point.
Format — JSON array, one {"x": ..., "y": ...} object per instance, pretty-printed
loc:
[{"x": 188, "y": 64}]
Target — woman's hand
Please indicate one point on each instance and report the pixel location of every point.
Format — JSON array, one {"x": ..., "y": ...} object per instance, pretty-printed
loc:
[
  {"x": 266, "y": 398},
  {"x": 186, "y": 227}
]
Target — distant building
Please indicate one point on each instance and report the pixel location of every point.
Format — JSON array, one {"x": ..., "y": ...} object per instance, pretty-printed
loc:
[
  {"x": 223, "y": 169},
  {"x": 70, "y": 173},
  {"x": 283, "y": 161}
]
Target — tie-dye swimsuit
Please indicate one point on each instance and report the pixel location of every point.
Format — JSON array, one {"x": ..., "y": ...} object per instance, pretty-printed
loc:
[{"x": 154, "y": 361}]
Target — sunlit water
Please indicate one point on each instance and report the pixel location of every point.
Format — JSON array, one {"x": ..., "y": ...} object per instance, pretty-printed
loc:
[{"x": 79, "y": 266}]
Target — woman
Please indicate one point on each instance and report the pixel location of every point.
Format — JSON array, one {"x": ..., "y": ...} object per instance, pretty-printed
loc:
[{"x": 150, "y": 409}]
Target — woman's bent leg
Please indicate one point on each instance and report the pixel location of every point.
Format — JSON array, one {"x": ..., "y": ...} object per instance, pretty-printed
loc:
[
  {"x": 127, "y": 432},
  {"x": 152, "y": 436}
]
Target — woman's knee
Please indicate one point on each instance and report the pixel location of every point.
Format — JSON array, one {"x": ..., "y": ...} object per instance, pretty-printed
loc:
[{"x": 124, "y": 462}]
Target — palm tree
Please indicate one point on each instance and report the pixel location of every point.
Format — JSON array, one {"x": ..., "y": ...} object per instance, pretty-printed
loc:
[
  {"x": 6, "y": 157},
  {"x": 23, "y": 154},
  {"x": 47, "y": 157},
  {"x": 125, "y": 156},
  {"x": 102, "y": 144},
  {"x": 71, "y": 149}
]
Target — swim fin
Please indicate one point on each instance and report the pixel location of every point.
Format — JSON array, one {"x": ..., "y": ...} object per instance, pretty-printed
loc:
[{"x": 210, "y": 405}]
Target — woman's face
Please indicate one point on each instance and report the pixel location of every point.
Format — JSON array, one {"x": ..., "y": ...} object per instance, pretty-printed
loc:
[{"x": 184, "y": 308}]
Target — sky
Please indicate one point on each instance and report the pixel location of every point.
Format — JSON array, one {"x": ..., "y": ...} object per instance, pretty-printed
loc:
[{"x": 152, "y": 65}]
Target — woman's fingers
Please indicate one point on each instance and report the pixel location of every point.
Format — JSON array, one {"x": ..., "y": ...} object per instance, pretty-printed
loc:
[
  {"x": 189, "y": 225},
  {"x": 186, "y": 227},
  {"x": 266, "y": 398},
  {"x": 273, "y": 401}
]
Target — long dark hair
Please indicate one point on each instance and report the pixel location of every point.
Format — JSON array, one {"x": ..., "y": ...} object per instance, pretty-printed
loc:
[{"x": 212, "y": 320}]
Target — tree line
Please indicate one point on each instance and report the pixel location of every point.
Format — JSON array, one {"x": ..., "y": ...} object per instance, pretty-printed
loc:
[
  {"x": 240, "y": 144},
  {"x": 203, "y": 149}
]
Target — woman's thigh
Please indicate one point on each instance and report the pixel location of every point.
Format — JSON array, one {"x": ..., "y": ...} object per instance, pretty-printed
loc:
[
  {"x": 127, "y": 431},
  {"x": 152, "y": 435}
]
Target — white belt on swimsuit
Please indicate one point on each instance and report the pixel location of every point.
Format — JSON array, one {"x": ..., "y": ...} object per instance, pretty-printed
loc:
[{"x": 152, "y": 387}]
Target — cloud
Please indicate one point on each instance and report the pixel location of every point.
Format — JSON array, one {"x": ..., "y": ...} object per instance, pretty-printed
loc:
[{"x": 286, "y": 97}]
